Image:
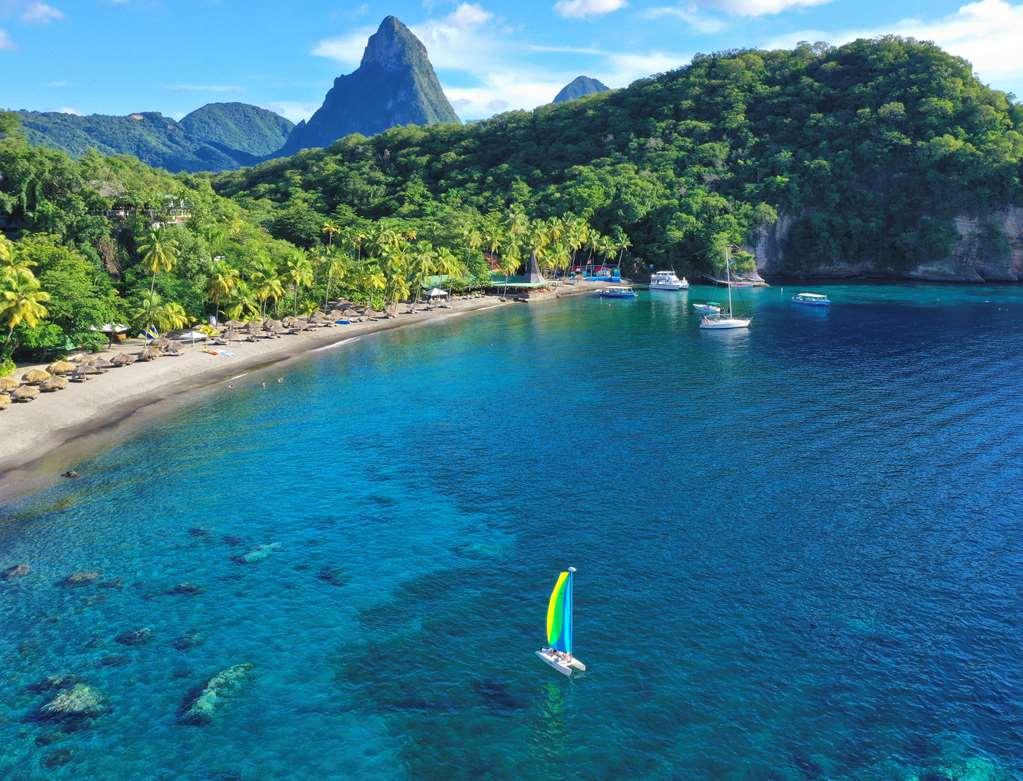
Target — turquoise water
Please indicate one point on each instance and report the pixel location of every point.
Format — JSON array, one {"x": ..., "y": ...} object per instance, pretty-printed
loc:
[{"x": 800, "y": 553}]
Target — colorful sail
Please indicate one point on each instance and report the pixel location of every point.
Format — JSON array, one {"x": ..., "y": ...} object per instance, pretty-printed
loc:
[{"x": 559, "y": 613}]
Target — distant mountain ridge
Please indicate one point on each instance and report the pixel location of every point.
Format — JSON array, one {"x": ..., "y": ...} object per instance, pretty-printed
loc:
[
  {"x": 580, "y": 87},
  {"x": 395, "y": 84},
  {"x": 216, "y": 137}
]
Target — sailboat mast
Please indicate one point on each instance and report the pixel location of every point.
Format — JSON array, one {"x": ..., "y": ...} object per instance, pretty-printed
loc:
[{"x": 728, "y": 278}]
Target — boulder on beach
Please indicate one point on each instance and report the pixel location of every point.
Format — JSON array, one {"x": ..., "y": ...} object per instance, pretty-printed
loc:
[
  {"x": 201, "y": 704},
  {"x": 15, "y": 571},
  {"x": 257, "y": 554},
  {"x": 135, "y": 636},
  {"x": 79, "y": 701},
  {"x": 80, "y": 579}
]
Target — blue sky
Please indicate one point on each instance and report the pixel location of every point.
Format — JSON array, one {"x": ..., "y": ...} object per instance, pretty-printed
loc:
[{"x": 120, "y": 56}]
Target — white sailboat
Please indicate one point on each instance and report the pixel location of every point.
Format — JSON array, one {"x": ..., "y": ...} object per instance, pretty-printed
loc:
[
  {"x": 721, "y": 322},
  {"x": 558, "y": 651}
]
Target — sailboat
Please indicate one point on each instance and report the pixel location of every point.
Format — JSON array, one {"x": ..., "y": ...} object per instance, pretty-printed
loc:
[
  {"x": 558, "y": 651},
  {"x": 725, "y": 321}
]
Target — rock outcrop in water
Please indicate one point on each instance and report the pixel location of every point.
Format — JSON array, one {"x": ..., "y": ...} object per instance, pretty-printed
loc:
[
  {"x": 15, "y": 571},
  {"x": 77, "y": 702},
  {"x": 201, "y": 705},
  {"x": 135, "y": 636},
  {"x": 987, "y": 248},
  {"x": 76, "y": 579},
  {"x": 257, "y": 554}
]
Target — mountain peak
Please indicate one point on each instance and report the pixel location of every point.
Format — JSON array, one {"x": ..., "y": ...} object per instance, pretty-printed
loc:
[
  {"x": 394, "y": 46},
  {"x": 580, "y": 87}
]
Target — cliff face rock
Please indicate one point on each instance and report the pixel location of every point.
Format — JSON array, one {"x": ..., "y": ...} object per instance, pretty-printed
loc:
[
  {"x": 580, "y": 87},
  {"x": 988, "y": 249},
  {"x": 394, "y": 85}
]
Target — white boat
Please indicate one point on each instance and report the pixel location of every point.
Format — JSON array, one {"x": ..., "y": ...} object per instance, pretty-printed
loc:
[
  {"x": 668, "y": 280},
  {"x": 625, "y": 291},
  {"x": 811, "y": 299},
  {"x": 558, "y": 651},
  {"x": 721, "y": 321}
]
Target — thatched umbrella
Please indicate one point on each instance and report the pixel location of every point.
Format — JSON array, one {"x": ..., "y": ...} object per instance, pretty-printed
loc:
[
  {"x": 336, "y": 314},
  {"x": 5, "y": 400},
  {"x": 78, "y": 375},
  {"x": 234, "y": 324},
  {"x": 370, "y": 312},
  {"x": 123, "y": 359},
  {"x": 60, "y": 368},
  {"x": 53, "y": 384},
  {"x": 25, "y": 393},
  {"x": 150, "y": 354},
  {"x": 7, "y": 384},
  {"x": 35, "y": 376},
  {"x": 163, "y": 343}
]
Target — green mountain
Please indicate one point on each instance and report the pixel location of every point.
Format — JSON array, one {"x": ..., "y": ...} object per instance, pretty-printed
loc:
[
  {"x": 394, "y": 85},
  {"x": 217, "y": 137},
  {"x": 580, "y": 87},
  {"x": 883, "y": 157},
  {"x": 238, "y": 126}
]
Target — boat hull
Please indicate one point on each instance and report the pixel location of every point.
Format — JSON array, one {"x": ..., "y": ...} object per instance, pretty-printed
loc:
[
  {"x": 811, "y": 303},
  {"x": 561, "y": 667},
  {"x": 724, "y": 324}
]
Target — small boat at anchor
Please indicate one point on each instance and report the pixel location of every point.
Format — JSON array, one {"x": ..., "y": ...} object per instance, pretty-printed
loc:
[
  {"x": 625, "y": 291},
  {"x": 721, "y": 321},
  {"x": 668, "y": 280},
  {"x": 811, "y": 299},
  {"x": 558, "y": 651}
]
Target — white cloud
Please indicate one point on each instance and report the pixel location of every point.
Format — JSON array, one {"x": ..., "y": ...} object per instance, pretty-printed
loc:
[
  {"x": 296, "y": 111},
  {"x": 203, "y": 88},
  {"x": 585, "y": 9},
  {"x": 6, "y": 44},
  {"x": 67, "y": 110},
  {"x": 700, "y": 22},
  {"x": 987, "y": 33},
  {"x": 470, "y": 15},
  {"x": 41, "y": 13}
]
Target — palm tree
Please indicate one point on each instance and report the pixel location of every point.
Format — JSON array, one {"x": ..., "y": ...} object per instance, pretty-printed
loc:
[
  {"x": 337, "y": 269},
  {"x": 222, "y": 284},
  {"x": 330, "y": 228},
  {"x": 21, "y": 301},
  {"x": 158, "y": 253},
  {"x": 266, "y": 285},
  {"x": 153, "y": 313},
  {"x": 300, "y": 274}
]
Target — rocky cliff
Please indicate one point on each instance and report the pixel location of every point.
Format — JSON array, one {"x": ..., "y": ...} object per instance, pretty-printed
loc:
[
  {"x": 394, "y": 85},
  {"x": 986, "y": 248}
]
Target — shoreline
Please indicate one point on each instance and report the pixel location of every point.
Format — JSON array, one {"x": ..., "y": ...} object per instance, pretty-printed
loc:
[{"x": 41, "y": 439}]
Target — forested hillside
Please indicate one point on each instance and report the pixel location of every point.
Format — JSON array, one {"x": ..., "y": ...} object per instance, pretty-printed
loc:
[
  {"x": 239, "y": 127},
  {"x": 871, "y": 149}
]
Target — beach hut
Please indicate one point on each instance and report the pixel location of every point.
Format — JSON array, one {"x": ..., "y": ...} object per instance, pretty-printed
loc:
[
  {"x": 5, "y": 400},
  {"x": 7, "y": 384},
  {"x": 53, "y": 384},
  {"x": 24, "y": 394},
  {"x": 35, "y": 376},
  {"x": 60, "y": 368}
]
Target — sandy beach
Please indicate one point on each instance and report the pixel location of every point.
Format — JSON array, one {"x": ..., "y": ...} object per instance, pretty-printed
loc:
[{"x": 42, "y": 438}]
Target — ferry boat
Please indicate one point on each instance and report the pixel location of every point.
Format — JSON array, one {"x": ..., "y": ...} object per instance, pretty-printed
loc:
[
  {"x": 625, "y": 291},
  {"x": 668, "y": 280},
  {"x": 811, "y": 299},
  {"x": 710, "y": 308}
]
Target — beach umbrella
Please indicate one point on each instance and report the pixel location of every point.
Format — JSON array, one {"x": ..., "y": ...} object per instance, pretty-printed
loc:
[
  {"x": 149, "y": 354},
  {"x": 54, "y": 384},
  {"x": 163, "y": 343},
  {"x": 25, "y": 393},
  {"x": 123, "y": 359},
  {"x": 78, "y": 376},
  {"x": 370, "y": 312},
  {"x": 235, "y": 324},
  {"x": 35, "y": 376},
  {"x": 5, "y": 400},
  {"x": 436, "y": 292},
  {"x": 61, "y": 367},
  {"x": 8, "y": 384}
]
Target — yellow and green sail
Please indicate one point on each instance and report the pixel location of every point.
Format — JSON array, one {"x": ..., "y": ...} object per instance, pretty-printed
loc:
[{"x": 559, "y": 613}]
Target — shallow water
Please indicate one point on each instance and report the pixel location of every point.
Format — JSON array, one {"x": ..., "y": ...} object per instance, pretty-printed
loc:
[{"x": 800, "y": 553}]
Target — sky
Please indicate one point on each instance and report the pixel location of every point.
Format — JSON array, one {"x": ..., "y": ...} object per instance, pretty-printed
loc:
[{"x": 172, "y": 56}]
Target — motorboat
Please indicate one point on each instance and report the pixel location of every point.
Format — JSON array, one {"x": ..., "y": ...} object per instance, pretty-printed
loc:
[
  {"x": 625, "y": 291},
  {"x": 811, "y": 299},
  {"x": 668, "y": 280}
]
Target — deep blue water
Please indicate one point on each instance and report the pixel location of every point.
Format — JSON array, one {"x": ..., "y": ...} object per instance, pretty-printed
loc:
[{"x": 800, "y": 553}]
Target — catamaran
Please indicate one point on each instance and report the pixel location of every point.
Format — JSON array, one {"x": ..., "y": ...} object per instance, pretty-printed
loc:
[
  {"x": 558, "y": 651},
  {"x": 721, "y": 321},
  {"x": 668, "y": 280}
]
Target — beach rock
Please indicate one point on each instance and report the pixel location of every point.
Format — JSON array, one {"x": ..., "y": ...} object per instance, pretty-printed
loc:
[
  {"x": 53, "y": 683},
  {"x": 76, "y": 579},
  {"x": 201, "y": 705},
  {"x": 257, "y": 554},
  {"x": 135, "y": 637},
  {"x": 77, "y": 702},
  {"x": 333, "y": 575},
  {"x": 187, "y": 641},
  {"x": 57, "y": 758},
  {"x": 15, "y": 571},
  {"x": 185, "y": 590}
]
